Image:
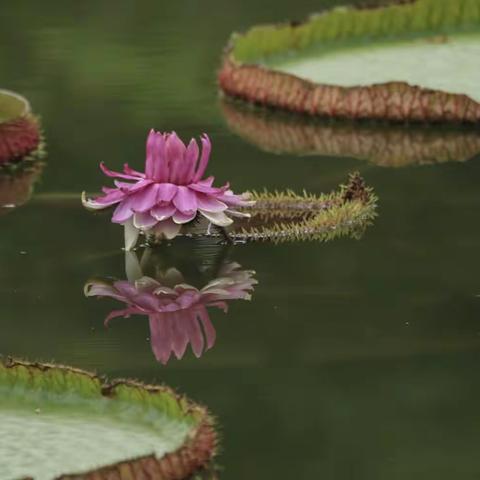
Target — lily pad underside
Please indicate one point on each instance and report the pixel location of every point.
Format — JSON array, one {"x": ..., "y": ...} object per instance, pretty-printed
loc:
[
  {"x": 285, "y": 216},
  {"x": 415, "y": 61},
  {"x": 57, "y": 420},
  {"x": 386, "y": 145},
  {"x": 21, "y": 140}
]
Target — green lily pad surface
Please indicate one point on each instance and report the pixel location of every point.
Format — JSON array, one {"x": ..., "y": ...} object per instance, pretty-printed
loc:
[
  {"x": 58, "y": 420},
  {"x": 447, "y": 64},
  {"x": 413, "y": 60}
]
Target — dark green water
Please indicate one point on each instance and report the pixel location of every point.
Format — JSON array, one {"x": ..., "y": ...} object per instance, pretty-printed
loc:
[{"x": 356, "y": 359}]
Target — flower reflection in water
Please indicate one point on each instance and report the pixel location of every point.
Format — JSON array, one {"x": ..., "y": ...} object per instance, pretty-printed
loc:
[{"x": 177, "y": 311}]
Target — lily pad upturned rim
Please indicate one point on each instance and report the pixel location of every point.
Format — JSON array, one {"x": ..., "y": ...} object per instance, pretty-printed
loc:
[
  {"x": 197, "y": 451},
  {"x": 20, "y": 106},
  {"x": 242, "y": 74}
]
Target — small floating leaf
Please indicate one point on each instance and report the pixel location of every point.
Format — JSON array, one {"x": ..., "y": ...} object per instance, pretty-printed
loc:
[
  {"x": 287, "y": 216},
  {"x": 388, "y": 145},
  {"x": 401, "y": 62},
  {"x": 58, "y": 419}
]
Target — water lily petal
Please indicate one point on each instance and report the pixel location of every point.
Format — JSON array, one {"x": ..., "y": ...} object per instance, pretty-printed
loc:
[
  {"x": 181, "y": 218},
  {"x": 163, "y": 291},
  {"x": 113, "y": 174},
  {"x": 117, "y": 313},
  {"x": 123, "y": 185},
  {"x": 97, "y": 288},
  {"x": 188, "y": 297},
  {"x": 163, "y": 212},
  {"x": 204, "y": 188},
  {"x": 130, "y": 171},
  {"x": 210, "y": 333},
  {"x": 146, "y": 301},
  {"x": 208, "y": 182},
  {"x": 168, "y": 229},
  {"x": 127, "y": 289},
  {"x": 143, "y": 220},
  {"x": 131, "y": 234},
  {"x": 185, "y": 200},
  {"x": 150, "y": 160},
  {"x": 191, "y": 157},
  {"x": 209, "y": 203},
  {"x": 185, "y": 287},
  {"x": 236, "y": 200},
  {"x": 166, "y": 192},
  {"x": 202, "y": 165},
  {"x": 123, "y": 211},
  {"x": 112, "y": 197},
  {"x": 146, "y": 198},
  {"x": 161, "y": 337},
  {"x": 194, "y": 332},
  {"x": 175, "y": 149},
  {"x": 100, "y": 202},
  {"x": 236, "y": 213},
  {"x": 132, "y": 266},
  {"x": 160, "y": 161},
  {"x": 217, "y": 218},
  {"x": 179, "y": 337},
  {"x": 130, "y": 188}
]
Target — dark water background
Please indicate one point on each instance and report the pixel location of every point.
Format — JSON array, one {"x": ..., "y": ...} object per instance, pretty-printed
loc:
[{"x": 355, "y": 359}]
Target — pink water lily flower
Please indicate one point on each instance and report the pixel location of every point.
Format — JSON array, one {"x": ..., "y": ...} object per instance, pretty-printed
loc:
[
  {"x": 170, "y": 193},
  {"x": 176, "y": 313}
]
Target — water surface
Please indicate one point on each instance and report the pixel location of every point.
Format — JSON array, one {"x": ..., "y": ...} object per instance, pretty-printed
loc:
[{"x": 355, "y": 359}]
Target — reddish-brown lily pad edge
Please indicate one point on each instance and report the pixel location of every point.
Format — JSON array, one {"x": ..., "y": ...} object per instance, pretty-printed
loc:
[
  {"x": 23, "y": 383},
  {"x": 245, "y": 72},
  {"x": 380, "y": 143},
  {"x": 20, "y": 134}
]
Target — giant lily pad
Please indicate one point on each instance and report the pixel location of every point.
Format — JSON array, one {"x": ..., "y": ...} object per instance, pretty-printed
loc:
[
  {"x": 57, "y": 420},
  {"x": 387, "y": 145},
  {"x": 408, "y": 61},
  {"x": 20, "y": 136}
]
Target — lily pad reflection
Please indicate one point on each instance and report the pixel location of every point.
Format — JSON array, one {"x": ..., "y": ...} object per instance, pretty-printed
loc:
[
  {"x": 387, "y": 145},
  {"x": 16, "y": 187}
]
